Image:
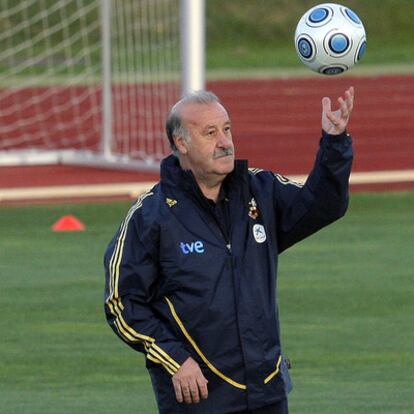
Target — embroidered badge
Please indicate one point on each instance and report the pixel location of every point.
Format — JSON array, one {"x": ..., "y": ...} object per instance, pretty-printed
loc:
[
  {"x": 170, "y": 202},
  {"x": 259, "y": 233},
  {"x": 253, "y": 210}
]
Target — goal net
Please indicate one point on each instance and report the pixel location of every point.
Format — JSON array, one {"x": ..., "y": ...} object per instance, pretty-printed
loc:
[{"x": 87, "y": 81}]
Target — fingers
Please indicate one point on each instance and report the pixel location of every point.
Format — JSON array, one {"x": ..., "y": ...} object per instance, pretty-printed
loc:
[
  {"x": 191, "y": 392},
  {"x": 194, "y": 396},
  {"x": 343, "y": 106},
  {"x": 348, "y": 102},
  {"x": 202, "y": 386},
  {"x": 326, "y": 104},
  {"x": 335, "y": 121},
  {"x": 189, "y": 383},
  {"x": 178, "y": 392},
  {"x": 346, "y": 105},
  {"x": 349, "y": 97}
]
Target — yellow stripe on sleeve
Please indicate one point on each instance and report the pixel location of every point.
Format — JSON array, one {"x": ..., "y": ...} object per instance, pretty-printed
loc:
[
  {"x": 154, "y": 352},
  {"x": 116, "y": 258}
]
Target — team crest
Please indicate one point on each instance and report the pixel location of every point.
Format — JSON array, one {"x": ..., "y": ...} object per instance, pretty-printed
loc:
[
  {"x": 259, "y": 233},
  {"x": 253, "y": 210}
]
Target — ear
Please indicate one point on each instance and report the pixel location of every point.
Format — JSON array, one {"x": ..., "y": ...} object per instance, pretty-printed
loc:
[{"x": 181, "y": 144}]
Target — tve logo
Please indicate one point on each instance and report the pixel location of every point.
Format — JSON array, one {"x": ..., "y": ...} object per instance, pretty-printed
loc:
[{"x": 193, "y": 247}]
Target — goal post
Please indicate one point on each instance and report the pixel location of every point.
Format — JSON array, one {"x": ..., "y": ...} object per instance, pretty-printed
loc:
[
  {"x": 90, "y": 82},
  {"x": 192, "y": 45}
]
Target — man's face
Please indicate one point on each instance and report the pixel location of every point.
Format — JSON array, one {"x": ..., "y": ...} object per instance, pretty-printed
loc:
[{"x": 210, "y": 151}]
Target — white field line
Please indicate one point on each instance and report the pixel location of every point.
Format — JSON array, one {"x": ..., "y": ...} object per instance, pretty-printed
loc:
[
  {"x": 372, "y": 177},
  {"x": 68, "y": 191},
  {"x": 133, "y": 189}
]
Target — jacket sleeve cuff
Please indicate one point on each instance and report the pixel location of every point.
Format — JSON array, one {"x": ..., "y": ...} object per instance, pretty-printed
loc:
[
  {"x": 335, "y": 138},
  {"x": 171, "y": 360}
]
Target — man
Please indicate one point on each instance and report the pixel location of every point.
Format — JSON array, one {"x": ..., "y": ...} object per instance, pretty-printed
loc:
[{"x": 191, "y": 273}]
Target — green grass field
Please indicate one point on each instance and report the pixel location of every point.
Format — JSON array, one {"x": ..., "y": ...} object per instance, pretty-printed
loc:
[{"x": 346, "y": 299}]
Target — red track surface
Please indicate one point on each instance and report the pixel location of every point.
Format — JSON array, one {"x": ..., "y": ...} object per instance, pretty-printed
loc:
[
  {"x": 277, "y": 122},
  {"x": 276, "y": 125}
]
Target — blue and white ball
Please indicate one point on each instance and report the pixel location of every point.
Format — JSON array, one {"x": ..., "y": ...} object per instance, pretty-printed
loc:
[{"x": 330, "y": 38}]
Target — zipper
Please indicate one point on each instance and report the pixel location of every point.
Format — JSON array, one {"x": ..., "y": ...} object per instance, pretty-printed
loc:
[
  {"x": 223, "y": 236},
  {"x": 216, "y": 223},
  {"x": 226, "y": 240},
  {"x": 205, "y": 209}
]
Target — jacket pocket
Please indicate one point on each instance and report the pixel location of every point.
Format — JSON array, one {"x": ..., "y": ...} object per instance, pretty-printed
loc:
[
  {"x": 199, "y": 352},
  {"x": 284, "y": 369},
  {"x": 275, "y": 371}
]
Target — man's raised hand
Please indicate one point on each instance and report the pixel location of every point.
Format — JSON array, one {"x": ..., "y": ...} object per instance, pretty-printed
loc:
[{"x": 335, "y": 122}]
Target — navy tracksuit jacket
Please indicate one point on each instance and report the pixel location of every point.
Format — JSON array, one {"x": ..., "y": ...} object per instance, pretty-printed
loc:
[{"x": 177, "y": 286}]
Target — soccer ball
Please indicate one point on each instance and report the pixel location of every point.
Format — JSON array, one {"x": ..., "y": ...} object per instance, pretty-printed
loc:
[{"x": 330, "y": 38}]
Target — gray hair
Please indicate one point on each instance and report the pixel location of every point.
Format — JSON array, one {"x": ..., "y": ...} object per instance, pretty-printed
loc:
[{"x": 174, "y": 124}]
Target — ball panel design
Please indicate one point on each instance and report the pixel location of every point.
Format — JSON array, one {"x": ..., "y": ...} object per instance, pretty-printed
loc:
[
  {"x": 306, "y": 47},
  {"x": 339, "y": 43},
  {"x": 319, "y": 16},
  {"x": 361, "y": 51},
  {"x": 333, "y": 70},
  {"x": 353, "y": 16}
]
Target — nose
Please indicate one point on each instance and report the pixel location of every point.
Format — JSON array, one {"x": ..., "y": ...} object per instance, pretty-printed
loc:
[{"x": 224, "y": 140}]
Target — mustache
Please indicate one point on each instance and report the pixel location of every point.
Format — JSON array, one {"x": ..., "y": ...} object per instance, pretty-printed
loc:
[{"x": 223, "y": 152}]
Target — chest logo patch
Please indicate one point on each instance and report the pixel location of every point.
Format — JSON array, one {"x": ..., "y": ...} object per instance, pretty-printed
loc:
[
  {"x": 193, "y": 247},
  {"x": 259, "y": 233}
]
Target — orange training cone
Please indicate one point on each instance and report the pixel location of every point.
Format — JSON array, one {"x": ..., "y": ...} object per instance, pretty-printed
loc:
[{"x": 68, "y": 223}]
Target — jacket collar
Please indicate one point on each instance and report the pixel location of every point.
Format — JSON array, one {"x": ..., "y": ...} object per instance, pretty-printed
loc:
[{"x": 174, "y": 176}]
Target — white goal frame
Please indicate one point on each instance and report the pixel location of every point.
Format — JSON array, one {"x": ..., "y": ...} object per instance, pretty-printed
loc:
[{"x": 192, "y": 51}]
